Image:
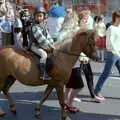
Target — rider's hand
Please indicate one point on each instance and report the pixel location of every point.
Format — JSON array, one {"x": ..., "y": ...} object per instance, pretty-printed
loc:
[{"x": 52, "y": 48}]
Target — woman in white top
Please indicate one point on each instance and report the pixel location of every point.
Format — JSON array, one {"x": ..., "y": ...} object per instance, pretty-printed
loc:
[
  {"x": 100, "y": 28},
  {"x": 113, "y": 52},
  {"x": 86, "y": 20},
  {"x": 75, "y": 83}
]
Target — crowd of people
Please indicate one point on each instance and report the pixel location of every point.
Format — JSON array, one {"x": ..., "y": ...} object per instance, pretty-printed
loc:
[{"x": 40, "y": 30}]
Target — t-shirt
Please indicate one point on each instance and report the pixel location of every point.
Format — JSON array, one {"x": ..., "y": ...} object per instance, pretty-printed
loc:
[
  {"x": 113, "y": 39},
  {"x": 87, "y": 23}
]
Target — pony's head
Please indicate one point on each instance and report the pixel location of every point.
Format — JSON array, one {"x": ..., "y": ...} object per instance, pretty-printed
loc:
[{"x": 86, "y": 43}]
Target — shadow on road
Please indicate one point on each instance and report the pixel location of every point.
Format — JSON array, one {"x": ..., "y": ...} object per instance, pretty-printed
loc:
[{"x": 25, "y": 109}]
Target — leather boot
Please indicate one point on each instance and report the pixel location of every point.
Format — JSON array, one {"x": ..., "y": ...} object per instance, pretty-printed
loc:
[{"x": 43, "y": 74}]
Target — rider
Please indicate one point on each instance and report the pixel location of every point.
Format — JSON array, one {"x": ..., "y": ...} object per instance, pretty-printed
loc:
[{"x": 42, "y": 40}]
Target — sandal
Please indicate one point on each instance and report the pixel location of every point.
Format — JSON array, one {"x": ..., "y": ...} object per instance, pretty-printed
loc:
[{"x": 71, "y": 109}]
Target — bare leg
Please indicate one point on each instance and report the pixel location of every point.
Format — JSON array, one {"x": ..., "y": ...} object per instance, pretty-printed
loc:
[
  {"x": 47, "y": 92},
  {"x": 72, "y": 95},
  {"x": 67, "y": 94},
  {"x": 59, "y": 90}
]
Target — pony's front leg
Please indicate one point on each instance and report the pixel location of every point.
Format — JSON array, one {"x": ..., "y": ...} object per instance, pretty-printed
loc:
[
  {"x": 60, "y": 94},
  {"x": 2, "y": 112},
  {"x": 47, "y": 92}
]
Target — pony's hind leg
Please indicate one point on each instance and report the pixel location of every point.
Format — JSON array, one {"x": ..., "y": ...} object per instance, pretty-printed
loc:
[
  {"x": 9, "y": 82},
  {"x": 2, "y": 112},
  {"x": 60, "y": 94},
  {"x": 47, "y": 92}
]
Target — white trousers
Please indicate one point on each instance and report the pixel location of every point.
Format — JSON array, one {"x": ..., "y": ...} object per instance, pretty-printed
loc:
[{"x": 42, "y": 53}]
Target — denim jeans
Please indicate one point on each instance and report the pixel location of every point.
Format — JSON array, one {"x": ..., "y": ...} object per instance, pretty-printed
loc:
[{"x": 111, "y": 60}]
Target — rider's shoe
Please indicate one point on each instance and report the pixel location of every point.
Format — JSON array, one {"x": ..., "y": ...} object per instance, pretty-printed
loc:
[{"x": 43, "y": 74}]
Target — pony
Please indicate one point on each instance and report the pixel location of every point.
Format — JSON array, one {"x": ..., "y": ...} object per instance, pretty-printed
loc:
[{"x": 19, "y": 64}]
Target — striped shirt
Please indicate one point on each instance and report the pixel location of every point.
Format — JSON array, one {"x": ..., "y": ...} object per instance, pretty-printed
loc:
[{"x": 41, "y": 34}]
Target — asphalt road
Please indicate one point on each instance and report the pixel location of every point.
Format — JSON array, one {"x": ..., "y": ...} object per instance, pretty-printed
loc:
[{"x": 26, "y": 97}]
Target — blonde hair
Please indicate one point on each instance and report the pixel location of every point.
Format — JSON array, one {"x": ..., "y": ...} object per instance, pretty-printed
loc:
[
  {"x": 84, "y": 12},
  {"x": 70, "y": 21}
]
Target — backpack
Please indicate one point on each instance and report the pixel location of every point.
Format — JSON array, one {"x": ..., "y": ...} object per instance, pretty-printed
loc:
[{"x": 30, "y": 36}]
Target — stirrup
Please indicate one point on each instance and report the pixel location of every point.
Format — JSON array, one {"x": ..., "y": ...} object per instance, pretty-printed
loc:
[{"x": 45, "y": 76}]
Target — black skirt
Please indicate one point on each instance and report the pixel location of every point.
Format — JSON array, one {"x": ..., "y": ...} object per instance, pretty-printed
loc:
[{"x": 75, "y": 81}]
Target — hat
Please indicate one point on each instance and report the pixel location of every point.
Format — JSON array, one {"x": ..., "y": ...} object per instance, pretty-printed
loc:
[
  {"x": 39, "y": 10},
  {"x": 57, "y": 11}
]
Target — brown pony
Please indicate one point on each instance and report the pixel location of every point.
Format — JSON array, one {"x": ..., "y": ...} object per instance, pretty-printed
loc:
[{"x": 18, "y": 64}]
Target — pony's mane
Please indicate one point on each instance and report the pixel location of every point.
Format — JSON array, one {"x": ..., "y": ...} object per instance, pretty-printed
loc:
[{"x": 65, "y": 44}]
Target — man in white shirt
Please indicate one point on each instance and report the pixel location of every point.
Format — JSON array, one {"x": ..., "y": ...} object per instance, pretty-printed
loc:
[{"x": 113, "y": 52}]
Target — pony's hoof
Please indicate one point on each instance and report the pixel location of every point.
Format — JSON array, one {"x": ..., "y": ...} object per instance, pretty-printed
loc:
[
  {"x": 13, "y": 112},
  {"x": 2, "y": 114},
  {"x": 37, "y": 116},
  {"x": 64, "y": 118},
  {"x": 13, "y": 109}
]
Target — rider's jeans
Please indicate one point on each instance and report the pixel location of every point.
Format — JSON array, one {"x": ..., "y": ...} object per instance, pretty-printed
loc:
[
  {"x": 111, "y": 60},
  {"x": 42, "y": 53}
]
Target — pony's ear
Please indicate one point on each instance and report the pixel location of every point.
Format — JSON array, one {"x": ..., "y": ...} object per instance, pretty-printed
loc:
[
  {"x": 79, "y": 35},
  {"x": 92, "y": 34}
]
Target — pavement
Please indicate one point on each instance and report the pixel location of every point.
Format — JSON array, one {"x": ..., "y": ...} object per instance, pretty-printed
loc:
[{"x": 27, "y": 96}]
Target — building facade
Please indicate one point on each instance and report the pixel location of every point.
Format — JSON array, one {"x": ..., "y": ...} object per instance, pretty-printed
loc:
[{"x": 97, "y": 6}]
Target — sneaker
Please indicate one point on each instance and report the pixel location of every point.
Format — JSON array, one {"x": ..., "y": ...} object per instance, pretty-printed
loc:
[
  {"x": 96, "y": 100},
  {"x": 100, "y": 97},
  {"x": 77, "y": 100}
]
